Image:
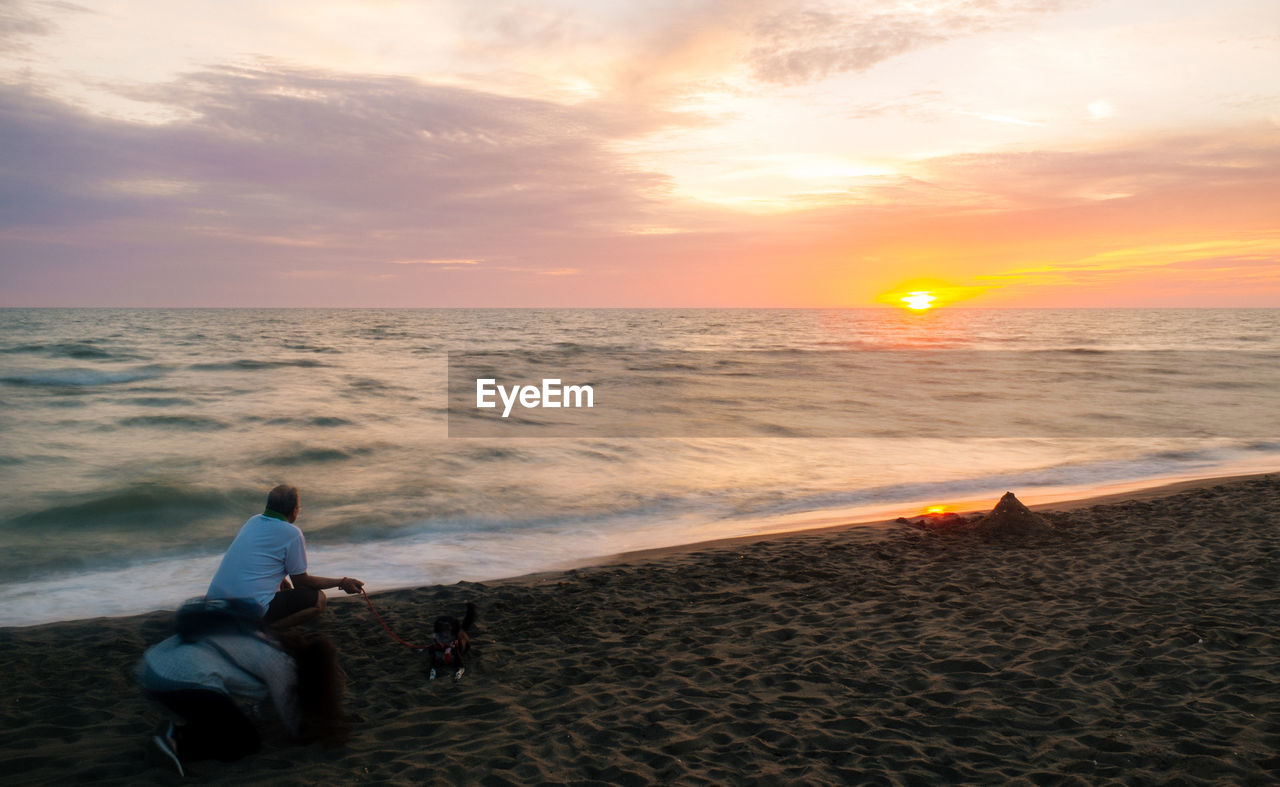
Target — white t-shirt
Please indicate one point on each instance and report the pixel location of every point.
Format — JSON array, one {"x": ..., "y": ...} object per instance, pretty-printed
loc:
[{"x": 264, "y": 552}]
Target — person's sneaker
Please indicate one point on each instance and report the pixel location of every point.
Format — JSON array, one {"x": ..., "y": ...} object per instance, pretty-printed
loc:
[
  {"x": 432, "y": 675},
  {"x": 457, "y": 676},
  {"x": 169, "y": 748}
]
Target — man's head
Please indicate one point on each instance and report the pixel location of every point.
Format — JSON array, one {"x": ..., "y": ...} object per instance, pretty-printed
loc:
[{"x": 284, "y": 501}]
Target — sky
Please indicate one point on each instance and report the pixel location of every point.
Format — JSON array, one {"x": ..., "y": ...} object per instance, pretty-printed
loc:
[{"x": 591, "y": 153}]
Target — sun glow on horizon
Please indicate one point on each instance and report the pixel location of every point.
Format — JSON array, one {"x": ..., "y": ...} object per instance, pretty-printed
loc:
[
  {"x": 927, "y": 294},
  {"x": 919, "y": 300}
]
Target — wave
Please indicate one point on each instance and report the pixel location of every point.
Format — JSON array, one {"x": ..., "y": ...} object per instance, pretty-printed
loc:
[
  {"x": 161, "y": 401},
  {"x": 310, "y": 348},
  {"x": 1074, "y": 351},
  {"x": 323, "y": 421},
  {"x": 136, "y": 507},
  {"x": 198, "y": 423},
  {"x": 607, "y": 518},
  {"x": 1064, "y": 476},
  {"x": 451, "y": 545},
  {"x": 329, "y": 420},
  {"x": 370, "y": 385},
  {"x": 81, "y": 378},
  {"x": 492, "y": 453},
  {"x": 253, "y": 364},
  {"x": 77, "y": 350},
  {"x": 308, "y": 456}
]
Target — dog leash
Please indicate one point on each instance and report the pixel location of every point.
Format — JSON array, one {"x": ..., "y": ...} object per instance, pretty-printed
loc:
[{"x": 394, "y": 635}]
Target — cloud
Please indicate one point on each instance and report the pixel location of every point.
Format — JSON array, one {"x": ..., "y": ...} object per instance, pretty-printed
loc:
[
  {"x": 20, "y": 20},
  {"x": 1246, "y": 267},
  {"x": 804, "y": 43},
  {"x": 272, "y": 171},
  {"x": 920, "y": 105},
  {"x": 1266, "y": 259},
  {"x": 1006, "y": 119},
  {"x": 1244, "y": 159},
  {"x": 1216, "y": 253},
  {"x": 301, "y": 154},
  {"x": 436, "y": 262},
  {"x": 523, "y": 28},
  {"x": 441, "y": 194},
  {"x": 676, "y": 52}
]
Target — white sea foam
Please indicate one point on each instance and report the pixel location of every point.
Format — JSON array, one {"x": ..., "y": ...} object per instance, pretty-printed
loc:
[{"x": 435, "y": 558}]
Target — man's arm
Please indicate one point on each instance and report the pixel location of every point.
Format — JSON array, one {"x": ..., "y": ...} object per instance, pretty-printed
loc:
[{"x": 347, "y": 584}]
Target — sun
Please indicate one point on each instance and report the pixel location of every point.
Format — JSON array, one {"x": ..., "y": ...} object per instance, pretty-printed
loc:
[
  {"x": 922, "y": 295},
  {"x": 919, "y": 300}
]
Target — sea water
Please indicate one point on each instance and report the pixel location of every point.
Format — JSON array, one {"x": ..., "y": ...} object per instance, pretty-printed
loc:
[{"x": 136, "y": 442}]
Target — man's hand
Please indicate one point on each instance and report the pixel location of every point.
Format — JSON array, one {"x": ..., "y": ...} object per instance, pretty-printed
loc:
[{"x": 350, "y": 586}]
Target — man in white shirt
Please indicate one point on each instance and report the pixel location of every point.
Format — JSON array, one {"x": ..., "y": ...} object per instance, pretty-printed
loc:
[{"x": 268, "y": 552}]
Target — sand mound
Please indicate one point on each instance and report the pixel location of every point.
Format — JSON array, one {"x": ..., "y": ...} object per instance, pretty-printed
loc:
[{"x": 1011, "y": 518}]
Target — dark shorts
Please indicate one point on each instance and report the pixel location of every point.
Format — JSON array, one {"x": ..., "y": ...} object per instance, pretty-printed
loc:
[
  {"x": 215, "y": 728},
  {"x": 288, "y": 602}
]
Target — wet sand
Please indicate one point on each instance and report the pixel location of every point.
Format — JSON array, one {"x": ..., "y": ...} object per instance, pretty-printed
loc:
[{"x": 1137, "y": 642}]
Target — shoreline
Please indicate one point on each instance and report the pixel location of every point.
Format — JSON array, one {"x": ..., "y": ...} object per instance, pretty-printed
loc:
[
  {"x": 1139, "y": 490},
  {"x": 1137, "y": 642},
  {"x": 1162, "y": 488}
]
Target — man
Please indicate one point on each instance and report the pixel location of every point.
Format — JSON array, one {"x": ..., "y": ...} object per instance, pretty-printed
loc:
[{"x": 268, "y": 552}]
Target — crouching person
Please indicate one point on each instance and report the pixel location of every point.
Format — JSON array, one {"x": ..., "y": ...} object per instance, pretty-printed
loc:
[{"x": 223, "y": 655}]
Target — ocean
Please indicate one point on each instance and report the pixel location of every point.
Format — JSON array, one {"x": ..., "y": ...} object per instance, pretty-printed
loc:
[{"x": 137, "y": 441}]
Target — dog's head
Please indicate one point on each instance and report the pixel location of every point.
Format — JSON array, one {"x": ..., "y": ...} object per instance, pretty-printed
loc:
[{"x": 445, "y": 629}]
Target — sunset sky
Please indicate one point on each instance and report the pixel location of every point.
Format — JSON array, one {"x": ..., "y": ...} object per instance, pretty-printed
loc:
[{"x": 1003, "y": 153}]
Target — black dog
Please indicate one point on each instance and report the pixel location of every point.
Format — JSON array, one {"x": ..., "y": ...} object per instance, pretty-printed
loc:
[{"x": 450, "y": 642}]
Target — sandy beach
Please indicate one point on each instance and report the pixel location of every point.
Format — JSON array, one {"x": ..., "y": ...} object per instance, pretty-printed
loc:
[{"x": 1135, "y": 643}]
